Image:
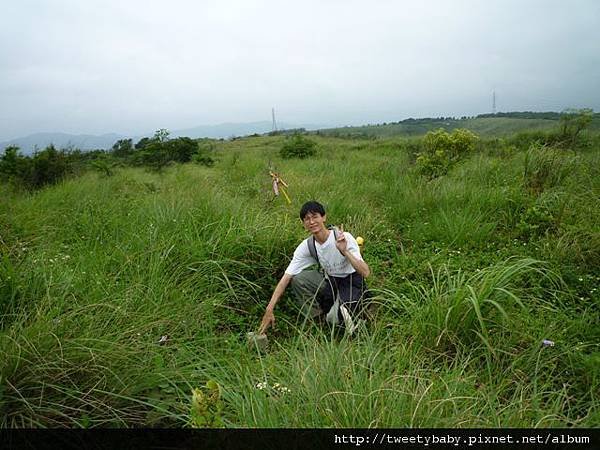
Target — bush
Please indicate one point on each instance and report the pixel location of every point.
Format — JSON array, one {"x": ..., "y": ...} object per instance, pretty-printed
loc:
[
  {"x": 203, "y": 159},
  {"x": 180, "y": 149},
  {"x": 545, "y": 167},
  {"x": 441, "y": 150},
  {"x": 153, "y": 155},
  {"x": 123, "y": 148},
  {"x": 13, "y": 165},
  {"x": 298, "y": 146},
  {"x": 46, "y": 167},
  {"x": 536, "y": 221},
  {"x": 573, "y": 122},
  {"x": 159, "y": 151}
]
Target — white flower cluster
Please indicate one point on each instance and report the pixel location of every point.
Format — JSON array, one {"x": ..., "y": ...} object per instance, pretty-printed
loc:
[
  {"x": 277, "y": 387},
  {"x": 281, "y": 389}
]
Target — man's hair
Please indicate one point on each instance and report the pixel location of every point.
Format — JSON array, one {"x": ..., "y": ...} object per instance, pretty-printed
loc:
[{"x": 311, "y": 207}]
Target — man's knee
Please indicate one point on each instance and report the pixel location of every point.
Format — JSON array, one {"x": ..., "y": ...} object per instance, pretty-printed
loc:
[{"x": 306, "y": 282}]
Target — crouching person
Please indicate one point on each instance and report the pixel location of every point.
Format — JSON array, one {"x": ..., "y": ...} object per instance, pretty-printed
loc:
[{"x": 336, "y": 291}]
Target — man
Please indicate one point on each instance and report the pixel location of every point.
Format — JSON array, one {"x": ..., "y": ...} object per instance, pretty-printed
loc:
[{"x": 339, "y": 256}]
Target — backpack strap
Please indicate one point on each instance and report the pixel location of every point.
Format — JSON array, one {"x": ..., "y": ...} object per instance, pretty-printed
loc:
[{"x": 312, "y": 248}]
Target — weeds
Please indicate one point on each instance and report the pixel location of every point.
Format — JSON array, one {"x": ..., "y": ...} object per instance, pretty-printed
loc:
[{"x": 95, "y": 271}]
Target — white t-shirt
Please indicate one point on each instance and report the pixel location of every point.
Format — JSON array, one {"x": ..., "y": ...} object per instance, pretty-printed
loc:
[{"x": 332, "y": 261}]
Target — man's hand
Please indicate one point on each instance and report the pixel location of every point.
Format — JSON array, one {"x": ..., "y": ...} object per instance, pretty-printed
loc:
[
  {"x": 341, "y": 242},
  {"x": 267, "y": 321},
  {"x": 269, "y": 317}
]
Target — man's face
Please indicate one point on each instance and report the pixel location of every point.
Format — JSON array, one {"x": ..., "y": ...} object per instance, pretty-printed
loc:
[{"x": 314, "y": 222}]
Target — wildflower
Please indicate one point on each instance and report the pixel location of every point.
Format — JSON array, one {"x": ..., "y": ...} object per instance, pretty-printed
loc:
[
  {"x": 547, "y": 343},
  {"x": 281, "y": 389},
  {"x": 262, "y": 385}
]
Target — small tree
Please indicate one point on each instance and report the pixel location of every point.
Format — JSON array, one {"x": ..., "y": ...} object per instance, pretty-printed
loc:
[
  {"x": 203, "y": 155},
  {"x": 48, "y": 167},
  {"x": 154, "y": 155},
  {"x": 141, "y": 144},
  {"x": 573, "y": 122},
  {"x": 297, "y": 146},
  {"x": 441, "y": 150},
  {"x": 122, "y": 148},
  {"x": 13, "y": 165},
  {"x": 180, "y": 149},
  {"x": 161, "y": 135}
]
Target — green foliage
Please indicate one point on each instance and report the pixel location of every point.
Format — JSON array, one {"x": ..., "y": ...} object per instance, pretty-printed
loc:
[
  {"x": 9, "y": 289},
  {"x": 441, "y": 150},
  {"x": 161, "y": 135},
  {"x": 141, "y": 144},
  {"x": 545, "y": 167},
  {"x": 14, "y": 166},
  {"x": 154, "y": 156},
  {"x": 207, "y": 406},
  {"x": 464, "y": 309},
  {"x": 203, "y": 159},
  {"x": 99, "y": 268},
  {"x": 298, "y": 146},
  {"x": 46, "y": 167},
  {"x": 573, "y": 122},
  {"x": 181, "y": 149},
  {"x": 159, "y": 152},
  {"x": 123, "y": 148},
  {"x": 536, "y": 221},
  {"x": 203, "y": 155},
  {"x": 104, "y": 165}
]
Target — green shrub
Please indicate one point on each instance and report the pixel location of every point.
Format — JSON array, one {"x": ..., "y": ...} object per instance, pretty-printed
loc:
[
  {"x": 545, "y": 167},
  {"x": 203, "y": 159},
  {"x": 46, "y": 167},
  {"x": 123, "y": 148},
  {"x": 180, "y": 149},
  {"x": 298, "y": 146},
  {"x": 441, "y": 150},
  {"x": 536, "y": 221},
  {"x": 154, "y": 155},
  {"x": 104, "y": 165},
  {"x": 573, "y": 122},
  {"x": 13, "y": 165}
]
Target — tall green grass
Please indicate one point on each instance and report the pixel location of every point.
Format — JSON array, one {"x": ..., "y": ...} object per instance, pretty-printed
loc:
[{"x": 469, "y": 278}]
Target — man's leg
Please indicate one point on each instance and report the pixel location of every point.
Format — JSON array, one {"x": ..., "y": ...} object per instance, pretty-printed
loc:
[{"x": 306, "y": 286}]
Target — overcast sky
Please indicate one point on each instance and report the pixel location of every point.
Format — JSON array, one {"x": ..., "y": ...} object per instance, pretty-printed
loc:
[{"x": 133, "y": 66}]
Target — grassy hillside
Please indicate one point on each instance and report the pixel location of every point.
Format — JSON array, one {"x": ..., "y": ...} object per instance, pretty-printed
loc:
[
  {"x": 119, "y": 295},
  {"x": 484, "y": 126}
]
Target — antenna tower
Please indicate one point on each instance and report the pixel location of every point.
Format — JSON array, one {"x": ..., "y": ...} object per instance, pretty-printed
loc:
[
  {"x": 274, "y": 122},
  {"x": 494, "y": 101}
]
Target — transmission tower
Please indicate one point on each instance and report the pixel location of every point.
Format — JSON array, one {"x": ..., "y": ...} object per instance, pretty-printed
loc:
[
  {"x": 494, "y": 101},
  {"x": 274, "y": 122}
]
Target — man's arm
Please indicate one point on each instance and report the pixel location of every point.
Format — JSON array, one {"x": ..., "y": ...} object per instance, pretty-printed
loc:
[
  {"x": 269, "y": 317},
  {"x": 359, "y": 265},
  {"x": 342, "y": 245}
]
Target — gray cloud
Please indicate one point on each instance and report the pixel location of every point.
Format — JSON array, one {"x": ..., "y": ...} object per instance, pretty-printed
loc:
[{"x": 135, "y": 66}]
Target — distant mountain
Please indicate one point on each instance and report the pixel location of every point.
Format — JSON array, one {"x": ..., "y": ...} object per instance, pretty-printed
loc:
[
  {"x": 226, "y": 130},
  {"x": 40, "y": 141}
]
